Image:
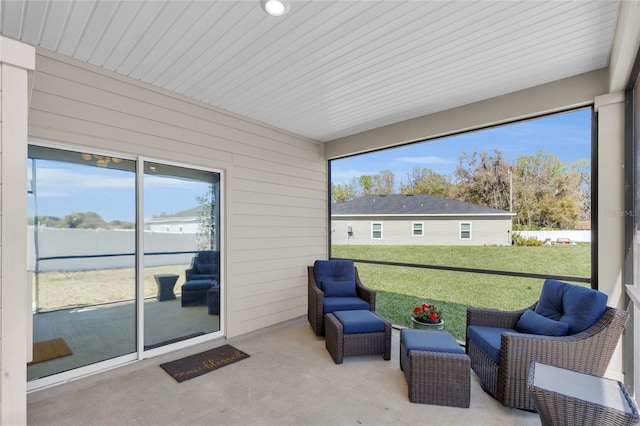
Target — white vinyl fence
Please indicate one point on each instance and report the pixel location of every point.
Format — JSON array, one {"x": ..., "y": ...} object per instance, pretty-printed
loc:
[
  {"x": 94, "y": 249},
  {"x": 582, "y": 236}
]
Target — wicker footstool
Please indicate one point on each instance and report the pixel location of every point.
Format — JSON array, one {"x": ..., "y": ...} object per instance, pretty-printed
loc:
[
  {"x": 350, "y": 333},
  {"x": 194, "y": 292},
  {"x": 436, "y": 368}
]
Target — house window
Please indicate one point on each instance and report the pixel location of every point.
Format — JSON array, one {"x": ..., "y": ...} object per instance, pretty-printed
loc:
[
  {"x": 418, "y": 229},
  {"x": 376, "y": 231},
  {"x": 465, "y": 230}
]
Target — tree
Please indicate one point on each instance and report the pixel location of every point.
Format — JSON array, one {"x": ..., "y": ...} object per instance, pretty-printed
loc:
[
  {"x": 381, "y": 183},
  {"x": 342, "y": 192},
  {"x": 206, "y": 216},
  {"x": 547, "y": 192},
  {"x": 482, "y": 178},
  {"x": 384, "y": 182},
  {"x": 92, "y": 220},
  {"x": 72, "y": 220},
  {"x": 581, "y": 168},
  {"x": 426, "y": 181}
]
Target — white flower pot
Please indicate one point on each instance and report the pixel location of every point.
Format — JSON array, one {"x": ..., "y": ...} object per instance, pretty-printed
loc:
[{"x": 426, "y": 326}]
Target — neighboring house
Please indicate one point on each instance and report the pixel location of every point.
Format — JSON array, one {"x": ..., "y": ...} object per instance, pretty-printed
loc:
[
  {"x": 182, "y": 222},
  {"x": 420, "y": 219}
]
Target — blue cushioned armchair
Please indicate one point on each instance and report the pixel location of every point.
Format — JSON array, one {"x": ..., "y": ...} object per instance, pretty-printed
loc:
[
  {"x": 334, "y": 285},
  {"x": 204, "y": 266},
  {"x": 570, "y": 327}
]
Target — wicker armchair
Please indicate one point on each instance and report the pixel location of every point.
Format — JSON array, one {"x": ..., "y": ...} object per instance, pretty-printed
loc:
[
  {"x": 204, "y": 266},
  {"x": 366, "y": 299},
  {"x": 507, "y": 381}
]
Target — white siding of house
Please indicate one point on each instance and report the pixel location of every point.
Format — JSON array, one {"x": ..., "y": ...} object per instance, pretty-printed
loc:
[
  {"x": 485, "y": 230},
  {"x": 275, "y": 194}
]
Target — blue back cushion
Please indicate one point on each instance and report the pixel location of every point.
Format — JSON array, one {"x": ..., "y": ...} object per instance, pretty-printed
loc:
[
  {"x": 577, "y": 306},
  {"x": 339, "y": 288},
  {"x": 533, "y": 323},
  {"x": 336, "y": 278},
  {"x": 206, "y": 268},
  {"x": 208, "y": 256},
  {"x": 207, "y": 262}
]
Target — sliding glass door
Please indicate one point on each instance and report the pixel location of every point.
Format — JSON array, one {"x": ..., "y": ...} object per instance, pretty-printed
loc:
[
  {"x": 181, "y": 253},
  {"x": 82, "y": 255},
  {"x": 124, "y": 256}
]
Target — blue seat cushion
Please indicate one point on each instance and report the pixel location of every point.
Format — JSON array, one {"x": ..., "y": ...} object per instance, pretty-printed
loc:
[
  {"x": 533, "y": 323},
  {"x": 194, "y": 285},
  {"x": 333, "y": 304},
  {"x": 205, "y": 277},
  {"x": 360, "y": 321},
  {"x": 579, "y": 307},
  {"x": 487, "y": 339},
  {"x": 429, "y": 341}
]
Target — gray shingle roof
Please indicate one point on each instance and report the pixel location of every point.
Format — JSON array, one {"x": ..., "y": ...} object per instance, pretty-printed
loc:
[{"x": 419, "y": 204}]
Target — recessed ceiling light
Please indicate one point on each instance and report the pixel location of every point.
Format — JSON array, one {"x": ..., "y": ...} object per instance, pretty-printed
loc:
[{"x": 275, "y": 7}]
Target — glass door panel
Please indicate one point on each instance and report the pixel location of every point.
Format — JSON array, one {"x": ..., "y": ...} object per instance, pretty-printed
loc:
[
  {"x": 181, "y": 254},
  {"x": 81, "y": 257}
]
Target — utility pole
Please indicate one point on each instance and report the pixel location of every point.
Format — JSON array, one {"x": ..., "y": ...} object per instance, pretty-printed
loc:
[{"x": 510, "y": 190}]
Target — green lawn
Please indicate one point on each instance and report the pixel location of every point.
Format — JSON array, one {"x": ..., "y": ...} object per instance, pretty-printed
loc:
[
  {"x": 401, "y": 288},
  {"x": 62, "y": 290}
]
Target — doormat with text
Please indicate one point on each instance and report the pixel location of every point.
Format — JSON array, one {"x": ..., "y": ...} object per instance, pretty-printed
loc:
[{"x": 202, "y": 363}]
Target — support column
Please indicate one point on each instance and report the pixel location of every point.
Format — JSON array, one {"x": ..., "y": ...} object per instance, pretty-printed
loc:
[
  {"x": 611, "y": 209},
  {"x": 17, "y": 63}
]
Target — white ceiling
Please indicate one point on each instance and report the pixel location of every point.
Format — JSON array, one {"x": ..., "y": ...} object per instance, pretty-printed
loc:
[{"x": 327, "y": 69}]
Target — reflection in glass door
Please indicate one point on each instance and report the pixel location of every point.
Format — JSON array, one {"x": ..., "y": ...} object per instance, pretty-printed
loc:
[
  {"x": 111, "y": 279},
  {"x": 181, "y": 254},
  {"x": 81, "y": 257}
]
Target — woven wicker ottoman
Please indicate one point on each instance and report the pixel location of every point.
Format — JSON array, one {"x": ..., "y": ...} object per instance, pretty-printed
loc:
[
  {"x": 351, "y": 333},
  {"x": 437, "y": 369}
]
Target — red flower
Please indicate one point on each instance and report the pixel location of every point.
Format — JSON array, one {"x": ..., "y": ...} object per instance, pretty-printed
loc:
[{"x": 427, "y": 313}]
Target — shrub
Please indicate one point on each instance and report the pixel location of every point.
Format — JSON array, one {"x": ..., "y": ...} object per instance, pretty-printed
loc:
[{"x": 519, "y": 240}]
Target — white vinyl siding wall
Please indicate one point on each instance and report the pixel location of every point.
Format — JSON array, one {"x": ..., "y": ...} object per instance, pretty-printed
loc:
[
  {"x": 276, "y": 182},
  {"x": 487, "y": 230}
]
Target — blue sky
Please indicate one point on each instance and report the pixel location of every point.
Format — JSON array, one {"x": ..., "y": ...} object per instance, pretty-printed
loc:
[
  {"x": 63, "y": 188},
  {"x": 567, "y": 136}
]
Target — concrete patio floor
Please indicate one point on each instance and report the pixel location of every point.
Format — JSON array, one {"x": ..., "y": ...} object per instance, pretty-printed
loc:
[{"x": 289, "y": 379}]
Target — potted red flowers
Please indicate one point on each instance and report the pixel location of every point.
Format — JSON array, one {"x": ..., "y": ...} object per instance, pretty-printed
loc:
[{"x": 427, "y": 316}]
